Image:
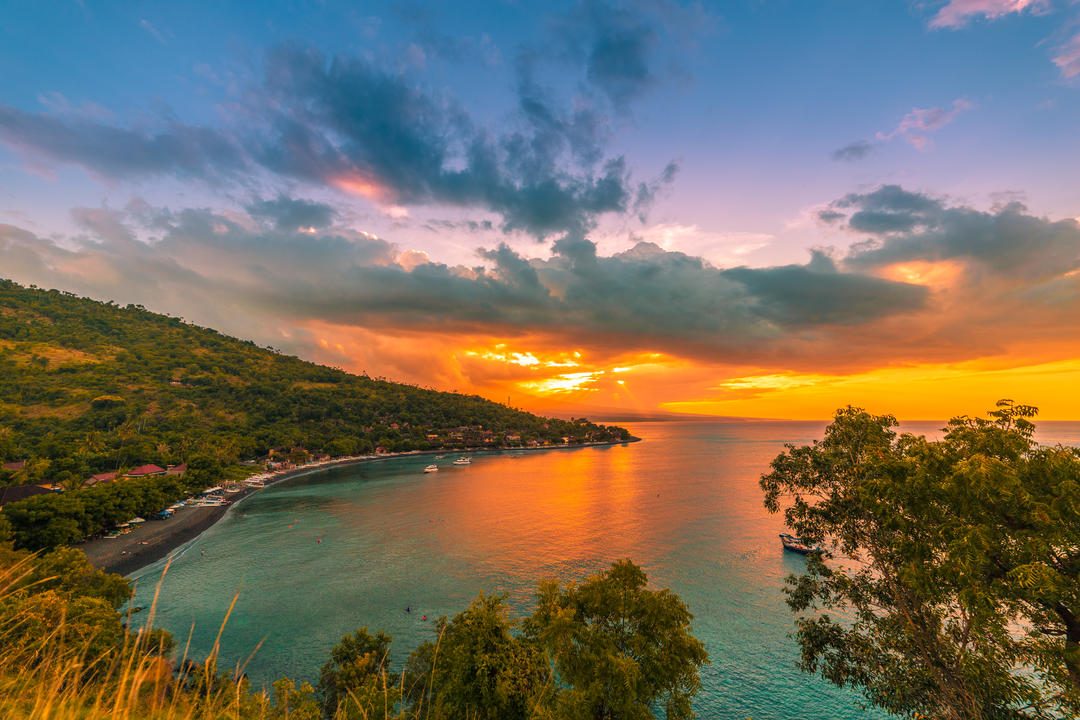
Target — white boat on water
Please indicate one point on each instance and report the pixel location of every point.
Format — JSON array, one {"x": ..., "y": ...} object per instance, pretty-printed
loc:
[
  {"x": 431, "y": 468},
  {"x": 463, "y": 461}
]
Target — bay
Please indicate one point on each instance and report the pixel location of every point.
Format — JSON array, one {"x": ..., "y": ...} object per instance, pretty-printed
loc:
[{"x": 318, "y": 556}]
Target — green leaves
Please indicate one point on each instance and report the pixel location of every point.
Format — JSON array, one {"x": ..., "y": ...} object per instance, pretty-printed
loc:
[
  {"x": 952, "y": 581},
  {"x": 622, "y": 650}
]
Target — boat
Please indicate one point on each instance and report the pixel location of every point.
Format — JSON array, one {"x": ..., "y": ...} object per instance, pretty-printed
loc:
[
  {"x": 431, "y": 468},
  {"x": 463, "y": 461},
  {"x": 439, "y": 457},
  {"x": 797, "y": 545}
]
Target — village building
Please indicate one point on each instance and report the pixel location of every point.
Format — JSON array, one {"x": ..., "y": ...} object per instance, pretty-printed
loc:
[
  {"x": 20, "y": 492},
  {"x": 101, "y": 479},
  {"x": 145, "y": 471}
]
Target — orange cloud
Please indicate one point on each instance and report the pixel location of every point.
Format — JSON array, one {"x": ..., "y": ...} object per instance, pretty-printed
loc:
[{"x": 358, "y": 183}]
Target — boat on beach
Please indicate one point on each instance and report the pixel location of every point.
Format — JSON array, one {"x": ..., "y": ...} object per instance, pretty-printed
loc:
[
  {"x": 463, "y": 461},
  {"x": 796, "y": 545},
  {"x": 431, "y": 468}
]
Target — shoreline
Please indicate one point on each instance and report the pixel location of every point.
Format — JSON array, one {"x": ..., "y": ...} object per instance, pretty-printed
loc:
[{"x": 157, "y": 539}]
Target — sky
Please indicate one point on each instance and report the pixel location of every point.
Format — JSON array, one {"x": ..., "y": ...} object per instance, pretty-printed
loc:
[{"x": 769, "y": 208}]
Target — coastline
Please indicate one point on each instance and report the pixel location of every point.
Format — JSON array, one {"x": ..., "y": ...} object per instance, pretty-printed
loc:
[{"x": 157, "y": 539}]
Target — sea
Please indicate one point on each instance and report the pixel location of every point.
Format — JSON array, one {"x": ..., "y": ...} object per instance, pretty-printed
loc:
[{"x": 384, "y": 545}]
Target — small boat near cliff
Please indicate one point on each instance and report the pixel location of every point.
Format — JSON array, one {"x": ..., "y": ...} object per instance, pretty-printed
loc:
[{"x": 796, "y": 545}]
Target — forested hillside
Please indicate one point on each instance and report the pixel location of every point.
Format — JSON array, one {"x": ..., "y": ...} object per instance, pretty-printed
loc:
[{"x": 87, "y": 387}]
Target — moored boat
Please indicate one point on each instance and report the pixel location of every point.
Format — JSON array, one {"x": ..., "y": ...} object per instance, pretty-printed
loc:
[
  {"x": 797, "y": 545},
  {"x": 431, "y": 468},
  {"x": 463, "y": 461}
]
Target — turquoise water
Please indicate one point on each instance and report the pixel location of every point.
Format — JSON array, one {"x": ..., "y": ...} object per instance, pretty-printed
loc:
[{"x": 684, "y": 504}]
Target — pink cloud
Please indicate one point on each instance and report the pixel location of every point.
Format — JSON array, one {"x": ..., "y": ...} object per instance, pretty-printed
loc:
[
  {"x": 956, "y": 13},
  {"x": 917, "y": 124},
  {"x": 1068, "y": 58}
]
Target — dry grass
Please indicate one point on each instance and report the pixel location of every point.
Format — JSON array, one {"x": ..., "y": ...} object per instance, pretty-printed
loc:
[{"x": 55, "y": 675}]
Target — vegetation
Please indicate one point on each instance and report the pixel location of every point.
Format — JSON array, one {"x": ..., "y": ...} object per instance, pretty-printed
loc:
[
  {"x": 66, "y": 653},
  {"x": 89, "y": 387},
  {"x": 949, "y": 585}
]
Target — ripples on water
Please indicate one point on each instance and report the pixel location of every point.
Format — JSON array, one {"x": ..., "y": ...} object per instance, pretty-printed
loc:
[{"x": 684, "y": 504}]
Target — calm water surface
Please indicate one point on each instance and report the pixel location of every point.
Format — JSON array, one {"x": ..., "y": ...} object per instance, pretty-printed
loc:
[{"x": 684, "y": 504}]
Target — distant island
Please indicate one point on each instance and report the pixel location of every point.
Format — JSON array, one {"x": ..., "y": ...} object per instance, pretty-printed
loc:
[{"x": 112, "y": 412}]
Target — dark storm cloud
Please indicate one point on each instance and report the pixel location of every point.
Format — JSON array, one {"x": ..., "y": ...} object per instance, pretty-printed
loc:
[
  {"x": 287, "y": 213},
  {"x": 1006, "y": 240},
  {"x": 247, "y": 281},
  {"x": 347, "y": 123},
  {"x": 816, "y": 293},
  {"x": 176, "y": 149},
  {"x": 853, "y": 151}
]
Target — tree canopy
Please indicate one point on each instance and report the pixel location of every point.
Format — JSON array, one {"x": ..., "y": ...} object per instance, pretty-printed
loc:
[
  {"x": 89, "y": 387},
  {"x": 949, "y": 585}
]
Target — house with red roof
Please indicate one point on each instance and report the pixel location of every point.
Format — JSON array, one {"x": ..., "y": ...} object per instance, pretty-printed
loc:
[
  {"x": 177, "y": 469},
  {"x": 15, "y": 466},
  {"x": 101, "y": 479},
  {"x": 145, "y": 471}
]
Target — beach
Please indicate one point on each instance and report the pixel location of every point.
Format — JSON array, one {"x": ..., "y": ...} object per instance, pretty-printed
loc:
[{"x": 155, "y": 539}]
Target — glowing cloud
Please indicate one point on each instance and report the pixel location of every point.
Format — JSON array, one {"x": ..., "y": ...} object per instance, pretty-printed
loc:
[{"x": 956, "y": 13}]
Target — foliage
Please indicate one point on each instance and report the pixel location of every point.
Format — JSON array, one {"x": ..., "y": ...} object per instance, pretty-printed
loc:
[
  {"x": 66, "y": 654},
  {"x": 620, "y": 650},
  {"x": 480, "y": 669},
  {"x": 355, "y": 681},
  {"x": 949, "y": 582},
  {"x": 89, "y": 387}
]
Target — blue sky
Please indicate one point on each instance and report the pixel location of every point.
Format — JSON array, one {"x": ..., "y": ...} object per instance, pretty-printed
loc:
[{"x": 430, "y": 135}]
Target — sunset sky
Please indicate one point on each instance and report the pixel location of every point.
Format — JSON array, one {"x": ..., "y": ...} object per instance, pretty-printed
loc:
[{"x": 769, "y": 208}]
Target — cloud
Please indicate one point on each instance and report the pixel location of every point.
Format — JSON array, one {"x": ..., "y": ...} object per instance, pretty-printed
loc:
[
  {"x": 916, "y": 125},
  {"x": 247, "y": 281},
  {"x": 819, "y": 294},
  {"x": 923, "y": 283},
  {"x": 185, "y": 151},
  {"x": 292, "y": 214},
  {"x": 345, "y": 123},
  {"x": 716, "y": 247},
  {"x": 157, "y": 34},
  {"x": 1006, "y": 241},
  {"x": 853, "y": 151},
  {"x": 625, "y": 50},
  {"x": 1068, "y": 58},
  {"x": 957, "y": 13}
]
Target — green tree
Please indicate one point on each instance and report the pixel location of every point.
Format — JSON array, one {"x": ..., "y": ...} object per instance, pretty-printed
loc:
[
  {"x": 356, "y": 682},
  {"x": 292, "y": 703},
  {"x": 480, "y": 669},
  {"x": 620, "y": 650},
  {"x": 949, "y": 582},
  {"x": 67, "y": 571}
]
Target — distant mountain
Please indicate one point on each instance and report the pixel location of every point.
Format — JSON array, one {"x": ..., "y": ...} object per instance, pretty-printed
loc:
[{"x": 89, "y": 387}]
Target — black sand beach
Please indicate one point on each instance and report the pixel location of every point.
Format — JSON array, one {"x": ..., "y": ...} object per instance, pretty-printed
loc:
[{"x": 155, "y": 539}]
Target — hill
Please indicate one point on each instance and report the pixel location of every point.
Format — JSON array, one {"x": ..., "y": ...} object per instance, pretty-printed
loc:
[{"x": 89, "y": 387}]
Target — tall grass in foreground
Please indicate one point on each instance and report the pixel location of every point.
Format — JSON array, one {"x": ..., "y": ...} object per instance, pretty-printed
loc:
[
  {"x": 608, "y": 647},
  {"x": 53, "y": 668},
  {"x": 59, "y": 666}
]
